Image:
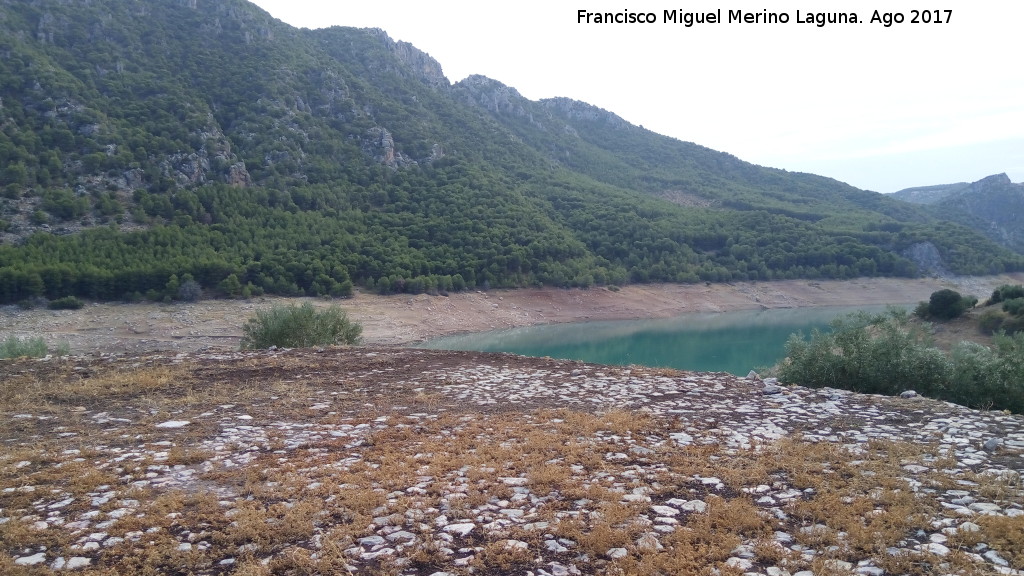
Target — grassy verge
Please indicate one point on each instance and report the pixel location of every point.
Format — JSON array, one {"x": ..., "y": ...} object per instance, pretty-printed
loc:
[{"x": 15, "y": 347}]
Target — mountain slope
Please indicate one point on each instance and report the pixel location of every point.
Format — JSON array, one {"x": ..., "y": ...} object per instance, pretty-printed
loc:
[
  {"x": 929, "y": 194},
  {"x": 145, "y": 144},
  {"x": 994, "y": 206}
]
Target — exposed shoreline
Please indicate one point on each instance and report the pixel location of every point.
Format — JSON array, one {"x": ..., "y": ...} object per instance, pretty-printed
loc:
[
  {"x": 409, "y": 319},
  {"x": 417, "y": 318}
]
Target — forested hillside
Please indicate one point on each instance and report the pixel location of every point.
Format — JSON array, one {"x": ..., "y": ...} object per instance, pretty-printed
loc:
[
  {"x": 144, "y": 145},
  {"x": 994, "y": 206}
]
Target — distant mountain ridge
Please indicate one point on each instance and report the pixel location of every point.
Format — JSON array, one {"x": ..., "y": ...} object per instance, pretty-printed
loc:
[
  {"x": 930, "y": 194},
  {"x": 993, "y": 206},
  {"x": 147, "y": 143}
]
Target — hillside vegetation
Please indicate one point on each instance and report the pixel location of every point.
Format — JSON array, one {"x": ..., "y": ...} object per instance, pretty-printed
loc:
[
  {"x": 147, "y": 146},
  {"x": 890, "y": 354},
  {"x": 993, "y": 206}
]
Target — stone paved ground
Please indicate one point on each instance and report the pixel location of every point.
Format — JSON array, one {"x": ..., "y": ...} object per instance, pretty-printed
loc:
[{"x": 396, "y": 461}]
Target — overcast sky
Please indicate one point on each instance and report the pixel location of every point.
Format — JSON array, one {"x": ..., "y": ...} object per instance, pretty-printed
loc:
[{"x": 882, "y": 108}]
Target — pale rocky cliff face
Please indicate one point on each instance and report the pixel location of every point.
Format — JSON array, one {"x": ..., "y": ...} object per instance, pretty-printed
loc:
[
  {"x": 421, "y": 64},
  {"x": 380, "y": 144},
  {"x": 927, "y": 258},
  {"x": 239, "y": 176},
  {"x": 494, "y": 96},
  {"x": 553, "y": 114},
  {"x": 576, "y": 110}
]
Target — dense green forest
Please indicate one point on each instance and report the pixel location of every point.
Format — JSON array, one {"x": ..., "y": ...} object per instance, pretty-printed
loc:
[{"x": 146, "y": 146}]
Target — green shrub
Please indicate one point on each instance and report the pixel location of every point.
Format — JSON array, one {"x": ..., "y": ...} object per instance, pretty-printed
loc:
[
  {"x": 64, "y": 204},
  {"x": 887, "y": 354},
  {"x": 299, "y": 327},
  {"x": 991, "y": 321},
  {"x": 1006, "y": 292},
  {"x": 877, "y": 354},
  {"x": 945, "y": 304},
  {"x": 989, "y": 378},
  {"x": 39, "y": 218},
  {"x": 1014, "y": 306},
  {"x": 189, "y": 290},
  {"x": 66, "y": 303},
  {"x": 15, "y": 347},
  {"x": 1013, "y": 325},
  {"x": 231, "y": 287},
  {"x": 974, "y": 377}
]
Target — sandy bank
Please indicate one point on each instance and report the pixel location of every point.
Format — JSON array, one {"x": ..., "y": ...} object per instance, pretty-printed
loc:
[{"x": 404, "y": 319}]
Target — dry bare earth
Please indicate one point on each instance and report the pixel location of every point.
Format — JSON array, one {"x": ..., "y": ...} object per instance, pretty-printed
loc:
[
  {"x": 389, "y": 461},
  {"x": 404, "y": 319}
]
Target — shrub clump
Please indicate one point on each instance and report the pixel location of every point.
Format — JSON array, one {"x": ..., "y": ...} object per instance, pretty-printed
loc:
[
  {"x": 299, "y": 327},
  {"x": 1014, "y": 307},
  {"x": 66, "y": 303},
  {"x": 990, "y": 322},
  {"x": 190, "y": 291},
  {"x": 1008, "y": 317},
  {"x": 945, "y": 304},
  {"x": 887, "y": 354},
  {"x": 1006, "y": 292},
  {"x": 14, "y": 347}
]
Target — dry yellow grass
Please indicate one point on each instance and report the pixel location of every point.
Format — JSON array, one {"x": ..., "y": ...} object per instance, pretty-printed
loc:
[
  {"x": 303, "y": 508},
  {"x": 1005, "y": 535}
]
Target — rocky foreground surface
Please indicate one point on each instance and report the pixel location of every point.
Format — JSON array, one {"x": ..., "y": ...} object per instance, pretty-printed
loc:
[{"x": 397, "y": 461}]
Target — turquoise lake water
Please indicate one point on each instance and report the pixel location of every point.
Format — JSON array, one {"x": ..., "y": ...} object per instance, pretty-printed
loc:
[{"x": 734, "y": 342}]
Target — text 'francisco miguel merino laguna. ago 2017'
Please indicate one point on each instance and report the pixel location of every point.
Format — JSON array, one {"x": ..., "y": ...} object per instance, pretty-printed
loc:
[{"x": 719, "y": 16}]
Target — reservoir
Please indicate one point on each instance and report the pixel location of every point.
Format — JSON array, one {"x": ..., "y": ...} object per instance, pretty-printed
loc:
[{"x": 734, "y": 342}]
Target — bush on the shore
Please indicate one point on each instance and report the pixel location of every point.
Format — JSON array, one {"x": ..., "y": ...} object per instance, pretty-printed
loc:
[
  {"x": 1006, "y": 292},
  {"x": 945, "y": 304},
  {"x": 66, "y": 303},
  {"x": 14, "y": 347},
  {"x": 994, "y": 321},
  {"x": 299, "y": 327},
  {"x": 888, "y": 353},
  {"x": 1005, "y": 311},
  {"x": 1014, "y": 307}
]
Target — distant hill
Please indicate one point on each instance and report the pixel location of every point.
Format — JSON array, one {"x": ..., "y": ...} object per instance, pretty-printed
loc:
[
  {"x": 930, "y": 194},
  {"x": 149, "y": 145},
  {"x": 993, "y": 206}
]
